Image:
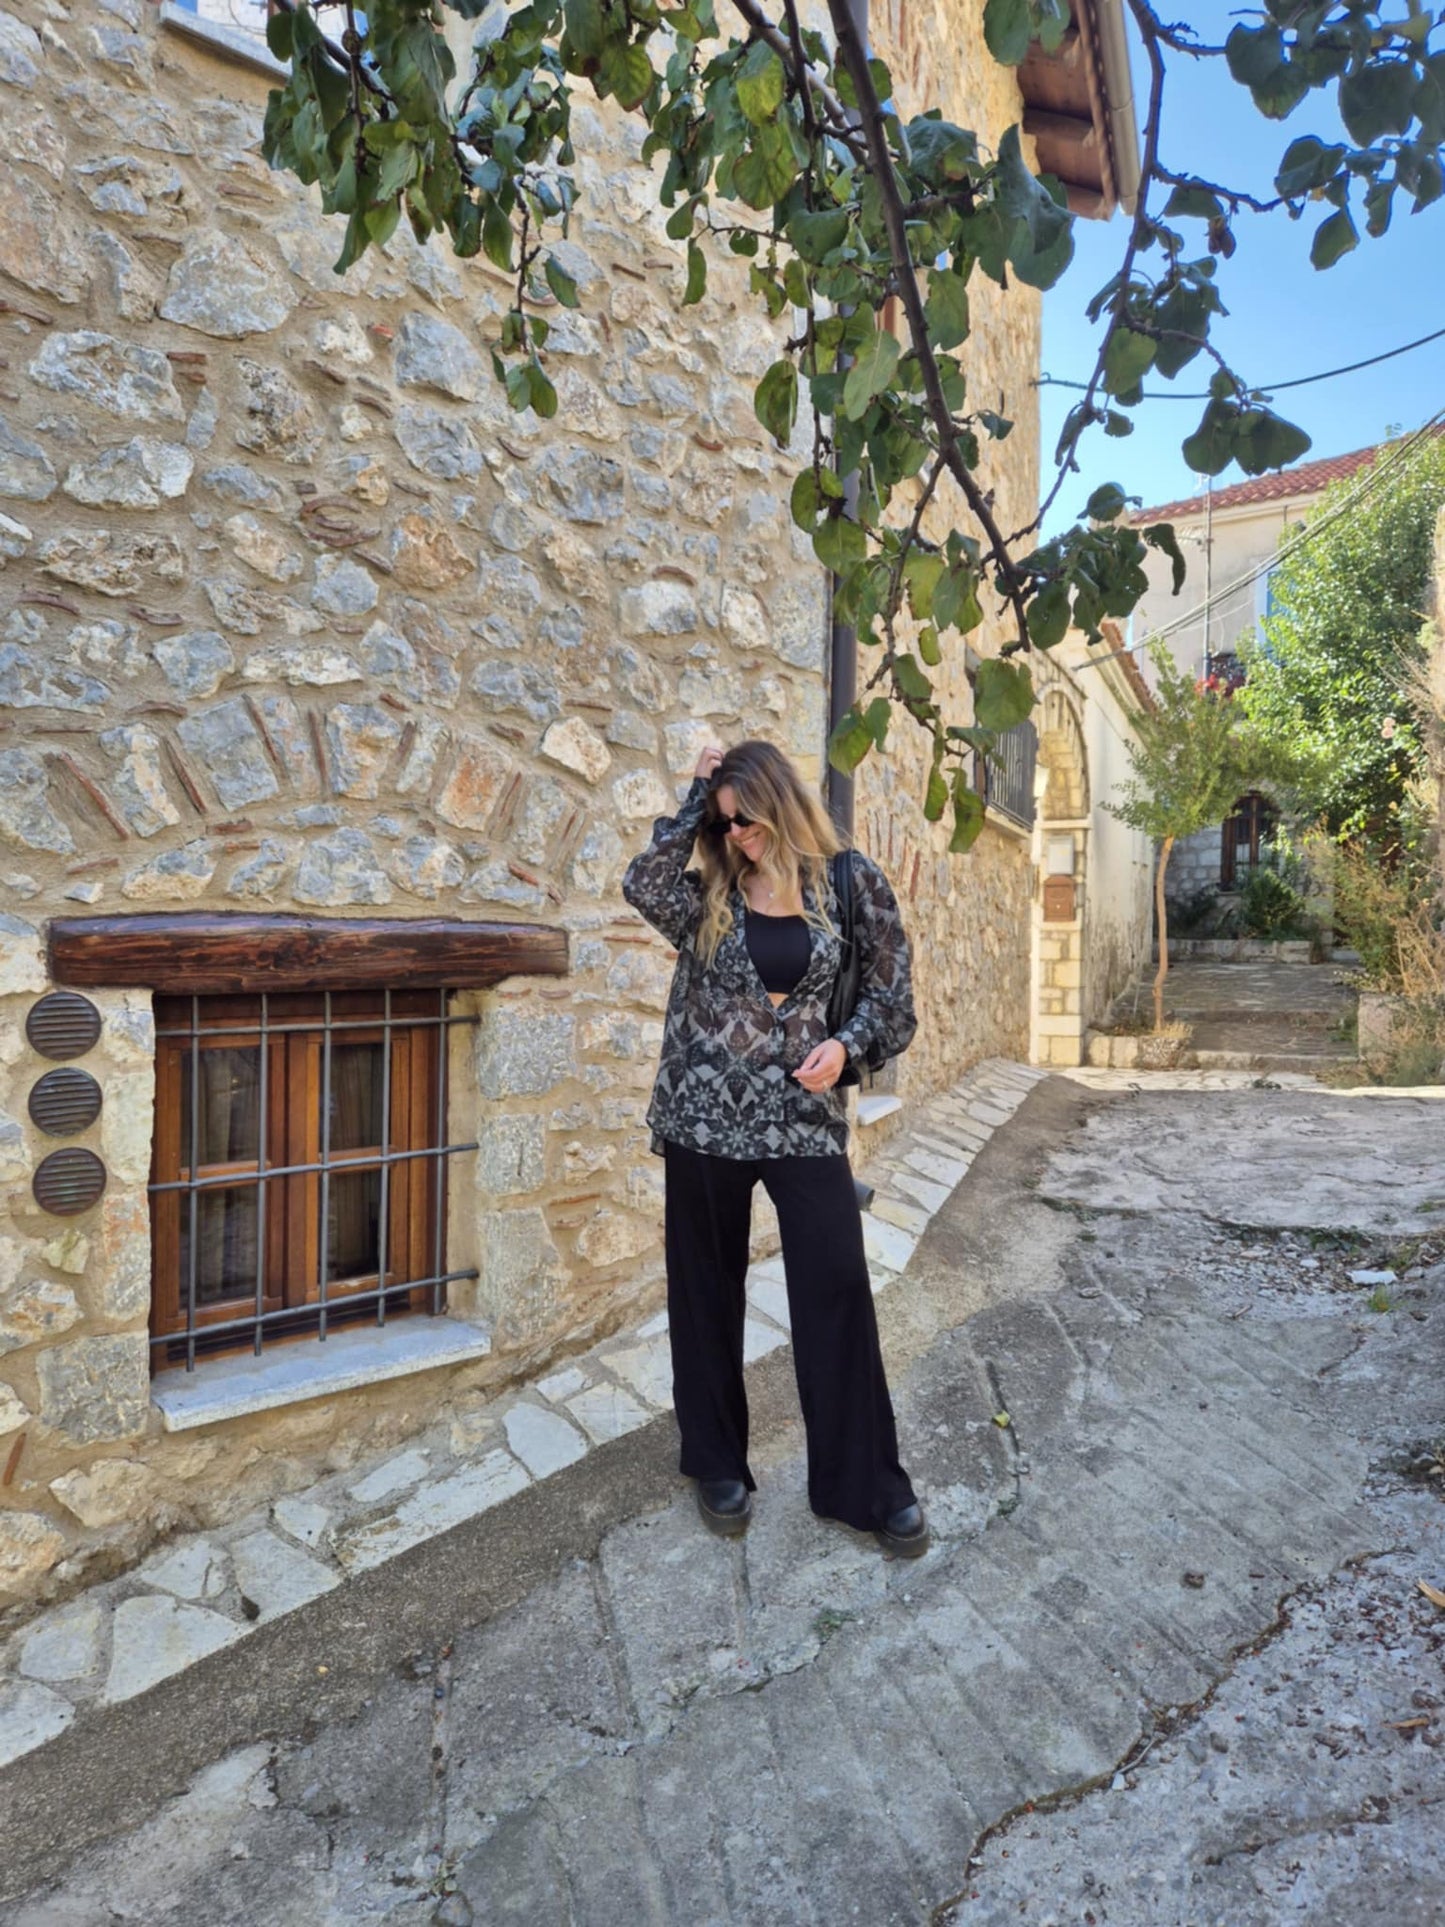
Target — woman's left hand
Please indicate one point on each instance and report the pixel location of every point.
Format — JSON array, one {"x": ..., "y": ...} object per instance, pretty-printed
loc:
[{"x": 821, "y": 1068}]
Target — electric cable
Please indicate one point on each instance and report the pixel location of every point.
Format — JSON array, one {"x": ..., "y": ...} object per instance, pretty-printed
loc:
[{"x": 1265, "y": 387}]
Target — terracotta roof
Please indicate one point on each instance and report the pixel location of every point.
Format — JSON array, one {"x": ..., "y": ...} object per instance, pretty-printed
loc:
[{"x": 1306, "y": 478}]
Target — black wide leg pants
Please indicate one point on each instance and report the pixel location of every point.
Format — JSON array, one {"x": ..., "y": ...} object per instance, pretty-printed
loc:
[{"x": 853, "y": 1469}]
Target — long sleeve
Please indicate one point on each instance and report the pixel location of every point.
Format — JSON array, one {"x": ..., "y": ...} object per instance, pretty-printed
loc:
[
  {"x": 884, "y": 1011},
  {"x": 657, "y": 881}
]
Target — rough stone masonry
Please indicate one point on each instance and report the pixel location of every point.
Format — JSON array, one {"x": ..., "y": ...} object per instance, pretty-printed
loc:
[{"x": 296, "y": 614}]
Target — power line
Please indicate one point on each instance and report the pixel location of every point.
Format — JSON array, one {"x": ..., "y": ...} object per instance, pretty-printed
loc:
[
  {"x": 1373, "y": 476},
  {"x": 1265, "y": 388}
]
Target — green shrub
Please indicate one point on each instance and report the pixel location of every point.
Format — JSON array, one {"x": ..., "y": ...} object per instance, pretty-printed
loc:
[{"x": 1271, "y": 907}]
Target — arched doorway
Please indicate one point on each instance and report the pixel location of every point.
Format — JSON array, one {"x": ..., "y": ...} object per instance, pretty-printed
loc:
[{"x": 1057, "y": 1001}]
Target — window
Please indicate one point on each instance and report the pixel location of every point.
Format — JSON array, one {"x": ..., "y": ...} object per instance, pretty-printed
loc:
[
  {"x": 1247, "y": 828},
  {"x": 232, "y": 28},
  {"x": 299, "y": 1169},
  {"x": 1005, "y": 778}
]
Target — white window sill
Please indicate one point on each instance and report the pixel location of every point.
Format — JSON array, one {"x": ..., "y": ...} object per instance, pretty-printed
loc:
[
  {"x": 872, "y": 1110},
  {"x": 1006, "y": 826},
  {"x": 228, "y": 43},
  {"x": 225, "y": 1388}
]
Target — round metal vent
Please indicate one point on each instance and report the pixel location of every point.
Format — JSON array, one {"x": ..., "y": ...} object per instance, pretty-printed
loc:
[
  {"x": 66, "y": 1102},
  {"x": 68, "y": 1181},
  {"x": 64, "y": 1024}
]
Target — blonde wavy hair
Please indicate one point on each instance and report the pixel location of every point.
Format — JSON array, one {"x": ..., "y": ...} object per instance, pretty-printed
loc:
[{"x": 801, "y": 838}]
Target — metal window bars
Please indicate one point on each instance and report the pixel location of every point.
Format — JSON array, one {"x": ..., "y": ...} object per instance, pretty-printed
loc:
[
  {"x": 263, "y": 1030},
  {"x": 1005, "y": 778}
]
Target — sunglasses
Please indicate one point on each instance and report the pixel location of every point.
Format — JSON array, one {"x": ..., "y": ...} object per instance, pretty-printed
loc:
[{"x": 719, "y": 825}]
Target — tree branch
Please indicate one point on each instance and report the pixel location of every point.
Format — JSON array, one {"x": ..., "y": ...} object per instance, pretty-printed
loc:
[{"x": 854, "y": 58}]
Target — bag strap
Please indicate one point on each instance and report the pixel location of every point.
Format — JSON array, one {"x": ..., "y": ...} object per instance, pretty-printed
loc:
[{"x": 843, "y": 892}]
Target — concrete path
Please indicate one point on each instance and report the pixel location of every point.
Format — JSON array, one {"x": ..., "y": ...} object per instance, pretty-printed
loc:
[{"x": 1167, "y": 1664}]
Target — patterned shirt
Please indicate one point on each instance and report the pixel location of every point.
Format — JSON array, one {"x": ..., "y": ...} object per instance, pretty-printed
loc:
[{"x": 725, "y": 1082}]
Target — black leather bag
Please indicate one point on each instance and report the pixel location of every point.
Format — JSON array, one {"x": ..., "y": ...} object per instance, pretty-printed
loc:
[{"x": 849, "y": 981}]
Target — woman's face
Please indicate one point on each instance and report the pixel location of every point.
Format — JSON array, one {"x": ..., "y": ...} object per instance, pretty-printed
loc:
[{"x": 752, "y": 842}]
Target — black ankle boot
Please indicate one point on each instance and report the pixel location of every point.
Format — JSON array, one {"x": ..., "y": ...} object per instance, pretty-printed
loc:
[
  {"x": 726, "y": 1506},
  {"x": 905, "y": 1534}
]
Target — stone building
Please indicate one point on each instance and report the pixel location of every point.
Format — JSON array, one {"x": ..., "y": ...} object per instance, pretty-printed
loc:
[{"x": 298, "y": 620}]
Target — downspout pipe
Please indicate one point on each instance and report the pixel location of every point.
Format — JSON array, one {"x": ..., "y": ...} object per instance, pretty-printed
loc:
[{"x": 842, "y": 637}]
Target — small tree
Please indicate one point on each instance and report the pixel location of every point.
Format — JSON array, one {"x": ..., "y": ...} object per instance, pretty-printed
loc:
[{"x": 1192, "y": 757}]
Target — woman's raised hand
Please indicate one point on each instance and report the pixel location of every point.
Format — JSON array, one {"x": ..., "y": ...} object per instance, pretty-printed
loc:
[{"x": 707, "y": 763}]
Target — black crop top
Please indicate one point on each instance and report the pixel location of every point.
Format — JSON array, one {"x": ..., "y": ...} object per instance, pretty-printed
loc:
[{"x": 780, "y": 948}]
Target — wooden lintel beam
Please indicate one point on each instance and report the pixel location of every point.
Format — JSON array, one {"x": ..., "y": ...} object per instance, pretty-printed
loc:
[
  {"x": 1087, "y": 202},
  {"x": 1069, "y": 130},
  {"x": 216, "y": 955}
]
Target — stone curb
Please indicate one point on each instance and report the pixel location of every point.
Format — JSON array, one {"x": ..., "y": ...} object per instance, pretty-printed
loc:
[{"x": 206, "y": 1591}]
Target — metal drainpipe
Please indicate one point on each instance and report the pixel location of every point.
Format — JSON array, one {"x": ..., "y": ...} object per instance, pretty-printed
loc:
[{"x": 842, "y": 637}]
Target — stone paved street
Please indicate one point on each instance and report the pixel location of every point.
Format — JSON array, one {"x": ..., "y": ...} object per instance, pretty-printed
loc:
[{"x": 1168, "y": 1665}]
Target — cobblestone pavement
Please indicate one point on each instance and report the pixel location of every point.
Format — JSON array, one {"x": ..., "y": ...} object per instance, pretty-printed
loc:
[{"x": 1169, "y": 1663}]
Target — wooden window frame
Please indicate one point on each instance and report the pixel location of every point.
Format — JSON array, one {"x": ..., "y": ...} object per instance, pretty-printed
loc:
[{"x": 294, "y": 1165}]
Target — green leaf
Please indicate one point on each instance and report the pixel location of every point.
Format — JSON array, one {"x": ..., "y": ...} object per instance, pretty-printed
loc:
[
  {"x": 680, "y": 221},
  {"x": 1106, "y": 504},
  {"x": 1003, "y": 694},
  {"x": 1127, "y": 359},
  {"x": 1265, "y": 441},
  {"x": 876, "y": 718},
  {"x": 936, "y": 799},
  {"x": 543, "y": 394},
  {"x": 760, "y": 84},
  {"x": 560, "y": 282},
  {"x": 849, "y": 743},
  {"x": 1160, "y": 535},
  {"x": 1038, "y": 228},
  {"x": 874, "y": 369},
  {"x": 766, "y": 169},
  {"x": 967, "y": 817},
  {"x": 278, "y": 35},
  {"x": 1334, "y": 237},
  {"x": 1378, "y": 98},
  {"x": 913, "y": 685},
  {"x": 696, "y": 275},
  {"x": 921, "y": 573},
  {"x": 776, "y": 401},
  {"x": 626, "y": 72},
  {"x": 585, "y": 27},
  {"x": 839, "y": 544},
  {"x": 1210, "y": 449},
  {"x": 1048, "y": 616},
  {"x": 1307, "y": 164},
  {"x": 946, "y": 309},
  {"x": 816, "y": 235},
  {"x": 955, "y": 600},
  {"x": 1197, "y": 203},
  {"x": 519, "y": 386},
  {"x": 1254, "y": 54},
  {"x": 496, "y": 235},
  {"x": 928, "y": 646},
  {"x": 1007, "y": 30}
]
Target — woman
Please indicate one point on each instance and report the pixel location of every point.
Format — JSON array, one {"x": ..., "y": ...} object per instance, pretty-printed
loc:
[{"x": 747, "y": 1091}]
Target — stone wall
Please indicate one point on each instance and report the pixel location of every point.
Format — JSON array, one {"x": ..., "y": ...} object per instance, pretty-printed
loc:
[{"x": 297, "y": 615}]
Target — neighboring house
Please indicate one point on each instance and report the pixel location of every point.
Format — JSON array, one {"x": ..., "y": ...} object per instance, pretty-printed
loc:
[
  {"x": 1230, "y": 538},
  {"x": 301, "y": 624}
]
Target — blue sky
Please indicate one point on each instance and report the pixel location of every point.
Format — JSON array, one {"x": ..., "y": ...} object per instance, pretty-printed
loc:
[{"x": 1285, "y": 317}]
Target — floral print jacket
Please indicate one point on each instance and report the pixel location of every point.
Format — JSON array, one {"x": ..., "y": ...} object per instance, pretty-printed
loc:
[{"x": 725, "y": 1083}]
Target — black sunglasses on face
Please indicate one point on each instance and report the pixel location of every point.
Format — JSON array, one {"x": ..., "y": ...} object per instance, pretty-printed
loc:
[{"x": 720, "y": 824}]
